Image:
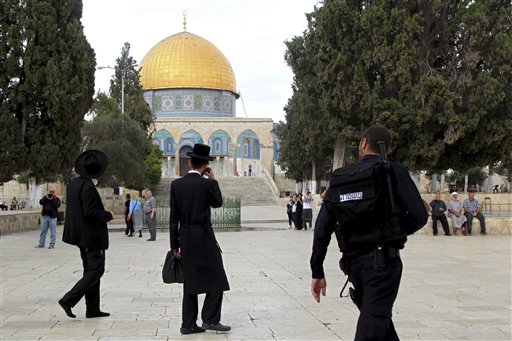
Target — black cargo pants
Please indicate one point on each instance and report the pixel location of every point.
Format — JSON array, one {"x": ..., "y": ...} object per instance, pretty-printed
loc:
[{"x": 378, "y": 289}]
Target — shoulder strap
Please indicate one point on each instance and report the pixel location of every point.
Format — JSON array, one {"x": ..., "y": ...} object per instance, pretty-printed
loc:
[{"x": 385, "y": 162}]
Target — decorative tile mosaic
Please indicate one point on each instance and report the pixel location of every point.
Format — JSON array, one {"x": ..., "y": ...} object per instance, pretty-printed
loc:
[
  {"x": 198, "y": 102},
  {"x": 178, "y": 103},
  {"x": 207, "y": 103},
  {"x": 188, "y": 102},
  {"x": 168, "y": 103}
]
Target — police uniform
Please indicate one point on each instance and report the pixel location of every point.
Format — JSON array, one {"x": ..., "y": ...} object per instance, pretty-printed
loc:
[{"x": 374, "y": 267}]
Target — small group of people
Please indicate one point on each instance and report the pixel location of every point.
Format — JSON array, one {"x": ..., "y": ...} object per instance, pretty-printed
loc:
[
  {"x": 15, "y": 205},
  {"x": 300, "y": 211},
  {"x": 133, "y": 212},
  {"x": 461, "y": 214}
]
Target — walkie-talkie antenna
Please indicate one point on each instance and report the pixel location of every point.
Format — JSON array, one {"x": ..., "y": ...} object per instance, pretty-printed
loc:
[{"x": 384, "y": 159}]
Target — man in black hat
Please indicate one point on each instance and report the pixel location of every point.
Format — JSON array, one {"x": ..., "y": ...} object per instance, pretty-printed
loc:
[
  {"x": 193, "y": 240},
  {"x": 85, "y": 226}
]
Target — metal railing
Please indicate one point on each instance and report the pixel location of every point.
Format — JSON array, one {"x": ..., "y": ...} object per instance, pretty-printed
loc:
[
  {"x": 226, "y": 216},
  {"x": 496, "y": 210}
]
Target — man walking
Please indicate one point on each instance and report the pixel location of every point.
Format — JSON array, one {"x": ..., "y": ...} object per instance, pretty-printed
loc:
[
  {"x": 370, "y": 249},
  {"x": 49, "y": 214},
  {"x": 438, "y": 208},
  {"x": 150, "y": 213},
  {"x": 192, "y": 239},
  {"x": 86, "y": 227}
]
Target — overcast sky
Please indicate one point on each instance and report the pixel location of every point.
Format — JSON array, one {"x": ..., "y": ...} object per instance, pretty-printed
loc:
[{"x": 250, "y": 33}]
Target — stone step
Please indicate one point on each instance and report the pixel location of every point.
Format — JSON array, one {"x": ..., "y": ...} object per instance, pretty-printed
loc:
[{"x": 251, "y": 190}]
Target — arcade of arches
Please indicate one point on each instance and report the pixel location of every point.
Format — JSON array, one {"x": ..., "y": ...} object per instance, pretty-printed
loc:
[{"x": 241, "y": 147}]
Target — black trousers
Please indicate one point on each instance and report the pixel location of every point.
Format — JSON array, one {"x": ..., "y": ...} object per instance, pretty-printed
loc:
[
  {"x": 210, "y": 313},
  {"x": 290, "y": 218},
  {"x": 378, "y": 289},
  {"x": 93, "y": 262},
  {"x": 444, "y": 223},
  {"x": 129, "y": 226}
]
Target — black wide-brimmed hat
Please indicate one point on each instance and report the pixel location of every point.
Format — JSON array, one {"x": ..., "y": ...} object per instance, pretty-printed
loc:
[
  {"x": 201, "y": 152},
  {"x": 91, "y": 164}
]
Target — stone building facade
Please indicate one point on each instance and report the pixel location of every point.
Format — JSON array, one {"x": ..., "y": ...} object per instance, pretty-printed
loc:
[{"x": 191, "y": 89}]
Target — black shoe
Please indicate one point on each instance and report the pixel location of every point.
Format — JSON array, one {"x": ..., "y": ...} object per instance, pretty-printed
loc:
[
  {"x": 469, "y": 232},
  {"x": 150, "y": 240},
  {"x": 218, "y": 327},
  {"x": 67, "y": 309},
  {"x": 483, "y": 232},
  {"x": 193, "y": 330},
  {"x": 140, "y": 234},
  {"x": 96, "y": 314},
  {"x": 130, "y": 235}
]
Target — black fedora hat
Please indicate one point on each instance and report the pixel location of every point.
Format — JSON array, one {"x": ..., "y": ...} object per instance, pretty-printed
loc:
[
  {"x": 201, "y": 152},
  {"x": 91, "y": 164}
]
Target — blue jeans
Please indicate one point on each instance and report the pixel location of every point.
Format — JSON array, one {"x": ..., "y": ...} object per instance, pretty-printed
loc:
[{"x": 46, "y": 222}]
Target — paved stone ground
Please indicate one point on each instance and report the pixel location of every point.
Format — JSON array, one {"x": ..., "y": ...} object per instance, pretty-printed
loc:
[{"x": 453, "y": 288}]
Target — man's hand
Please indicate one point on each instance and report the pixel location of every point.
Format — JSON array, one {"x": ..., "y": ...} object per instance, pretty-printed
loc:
[
  {"x": 112, "y": 214},
  {"x": 210, "y": 174},
  {"x": 318, "y": 285},
  {"x": 177, "y": 253}
]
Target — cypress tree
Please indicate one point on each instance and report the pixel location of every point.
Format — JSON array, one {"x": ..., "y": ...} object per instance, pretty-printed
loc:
[{"x": 47, "y": 86}]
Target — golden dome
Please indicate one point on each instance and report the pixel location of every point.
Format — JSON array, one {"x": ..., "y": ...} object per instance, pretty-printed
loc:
[{"x": 186, "y": 60}]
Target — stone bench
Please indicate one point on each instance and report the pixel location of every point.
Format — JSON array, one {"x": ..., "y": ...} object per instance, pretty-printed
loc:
[{"x": 494, "y": 225}]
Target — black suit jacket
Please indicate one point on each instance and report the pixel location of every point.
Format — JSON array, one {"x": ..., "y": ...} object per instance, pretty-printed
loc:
[
  {"x": 192, "y": 197},
  {"x": 85, "y": 223}
]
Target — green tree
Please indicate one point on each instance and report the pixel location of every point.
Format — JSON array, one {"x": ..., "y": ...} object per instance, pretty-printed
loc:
[
  {"x": 47, "y": 86},
  {"x": 126, "y": 145},
  {"x": 154, "y": 166},
  {"x": 134, "y": 103},
  {"x": 437, "y": 73}
]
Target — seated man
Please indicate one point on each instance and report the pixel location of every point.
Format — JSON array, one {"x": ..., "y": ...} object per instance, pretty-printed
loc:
[
  {"x": 495, "y": 189},
  {"x": 455, "y": 212},
  {"x": 472, "y": 210},
  {"x": 438, "y": 208}
]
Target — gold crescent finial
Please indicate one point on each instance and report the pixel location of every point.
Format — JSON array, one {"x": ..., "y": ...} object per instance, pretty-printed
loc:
[{"x": 184, "y": 21}]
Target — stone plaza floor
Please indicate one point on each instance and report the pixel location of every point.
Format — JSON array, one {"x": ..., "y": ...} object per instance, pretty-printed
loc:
[{"x": 453, "y": 288}]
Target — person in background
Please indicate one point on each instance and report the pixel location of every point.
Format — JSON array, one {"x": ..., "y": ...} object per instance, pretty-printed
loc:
[
  {"x": 135, "y": 215},
  {"x": 289, "y": 206},
  {"x": 150, "y": 214},
  {"x": 129, "y": 223},
  {"x": 472, "y": 210},
  {"x": 49, "y": 214},
  {"x": 456, "y": 213},
  {"x": 307, "y": 211},
  {"x": 14, "y": 204},
  {"x": 298, "y": 212},
  {"x": 438, "y": 208}
]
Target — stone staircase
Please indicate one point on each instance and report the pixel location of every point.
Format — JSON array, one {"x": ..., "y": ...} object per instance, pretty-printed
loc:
[{"x": 253, "y": 191}]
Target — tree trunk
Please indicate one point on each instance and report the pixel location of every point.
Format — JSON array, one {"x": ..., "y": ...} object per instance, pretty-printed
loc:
[
  {"x": 313, "y": 176},
  {"x": 339, "y": 153},
  {"x": 465, "y": 183},
  {"x": 441, "y": 186},
  {"x": 433, "y": 187},
  {"x": 35, "y": 192}
]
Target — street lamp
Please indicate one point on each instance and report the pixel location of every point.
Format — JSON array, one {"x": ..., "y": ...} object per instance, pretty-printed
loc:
[{"x": 123, "y": 70}]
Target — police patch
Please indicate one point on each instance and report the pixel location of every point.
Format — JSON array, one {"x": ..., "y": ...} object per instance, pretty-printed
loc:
[{"x": 351, "y": 196}]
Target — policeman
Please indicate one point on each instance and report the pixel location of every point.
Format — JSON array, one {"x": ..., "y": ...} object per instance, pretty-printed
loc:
[{"x": 371, "y": 262}]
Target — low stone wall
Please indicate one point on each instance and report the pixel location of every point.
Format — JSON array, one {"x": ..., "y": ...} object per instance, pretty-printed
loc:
[
  {"x": 19, "y": 220},
  {"x": 493, "y": 225}
]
